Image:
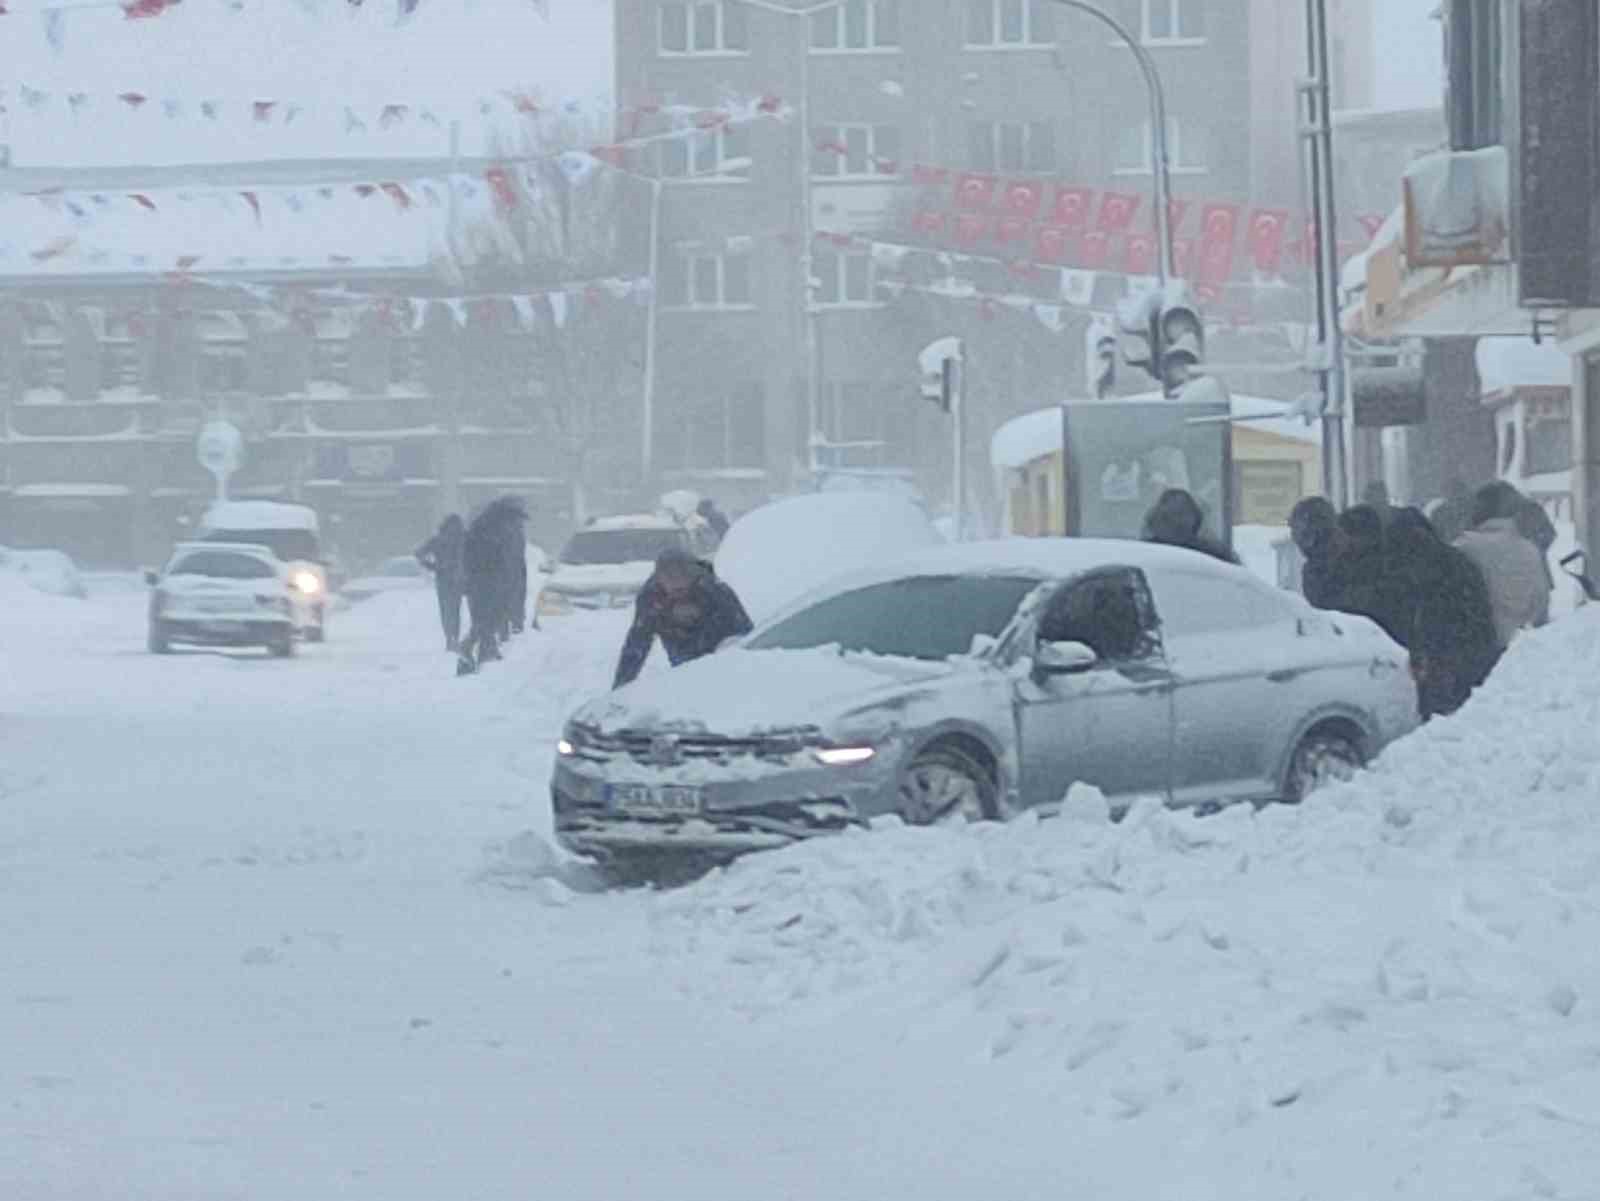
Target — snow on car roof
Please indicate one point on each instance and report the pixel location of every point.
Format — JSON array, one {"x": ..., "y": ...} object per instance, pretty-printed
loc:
[
  {"x": 260, "y": 515},
  {"x": 1042, "y": 558},
  {"x": 634, "y": 521},
  {"x": 253, "y": 550}
]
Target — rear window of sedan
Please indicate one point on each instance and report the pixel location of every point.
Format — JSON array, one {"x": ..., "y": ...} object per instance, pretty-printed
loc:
[
  {"x": 222, "y": 566},
  {"x": 920, "y": 617}
]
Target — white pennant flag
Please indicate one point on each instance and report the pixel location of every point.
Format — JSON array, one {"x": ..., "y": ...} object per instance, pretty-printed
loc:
[
  {"x": 558, "y": 309},
  {"x": 886, "y": 254},
  {"x": 458, "y": 310},
  {"x": 1051, "y": 317},
  {"x": 524, "y": 307},
  {"x": 577, "y": 166},
  {"x": 419, "y": 314},
  {"x": 1077, "y": 287}
]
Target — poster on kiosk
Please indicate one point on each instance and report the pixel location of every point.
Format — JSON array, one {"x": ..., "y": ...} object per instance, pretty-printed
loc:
[{"x": 1123, "y": 453}]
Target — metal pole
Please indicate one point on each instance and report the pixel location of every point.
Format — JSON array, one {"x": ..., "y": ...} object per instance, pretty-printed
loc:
[
  {"x": 1328, "y": 247},
  {"x": 1160, "y": 162},
  {"x": 808, "y": 235},
  {"x": 958, "y": 419},
  {"x": 647, "y": 418}
]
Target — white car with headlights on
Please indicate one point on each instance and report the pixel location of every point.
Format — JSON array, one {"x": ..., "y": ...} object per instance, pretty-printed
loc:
[
  {"x": 976, "y": 681},
  {"x": 222, "y": 594}
]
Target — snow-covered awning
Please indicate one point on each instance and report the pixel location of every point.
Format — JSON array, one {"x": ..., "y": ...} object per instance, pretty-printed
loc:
[
  {"x": 70, "y": 491},
  {"x": 1505, "y": 364}
]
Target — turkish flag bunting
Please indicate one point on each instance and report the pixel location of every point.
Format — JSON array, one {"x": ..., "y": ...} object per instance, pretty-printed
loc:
[
  {"x": 398, "y": 194},
  {"x": 132, "y": 99},
  {"x": 136, "y": 10},
  {"x": 975, "y": 193},
  {"x": 928, "y": 222},
  {"x": 1269, "y": 228},
  {"x": 1305, "y": 250},
  {"x": 1117, "y": 211},
  {"x": 1011, "y": 229},
  {"x": 1182, "y": 256},
  {"x": 1219, "y": 223},
  {"x": 925, "y": 176},
  {"x": 142, "y": 201},
  {"x": 1216, "y": 262},
  {"x": 263, "y": 109},
  {"x": 1051, "y": 243},
  {"x": 1071, "y": 209},
  {"x": 254, "y": 202},
  {"x": 1371, "y": 223},
  {"x": 1139, "y": 254},
  {"x": 365, "y": 190},
  {"x": 1177, "y": 210},
  {"x": 971, "y": 228},
  {"x": 1023, "y": 198},
  {"x": 1096, "y": 250},
  {"x": 504, "y": 194}
]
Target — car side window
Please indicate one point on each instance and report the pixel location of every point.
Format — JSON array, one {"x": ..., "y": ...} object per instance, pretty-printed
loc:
[
  {"x": 1111, "y": 613},
  {"x": 1192, "y": 603}
]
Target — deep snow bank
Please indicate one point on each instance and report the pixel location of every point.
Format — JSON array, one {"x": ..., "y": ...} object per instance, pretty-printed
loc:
[{"x": 1419, "y": 945}]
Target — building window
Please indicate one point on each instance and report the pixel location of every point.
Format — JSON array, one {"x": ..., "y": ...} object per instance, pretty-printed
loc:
[
  {"x": 1547, "y": 446},
  {"x": 1012, "y": 146},
  {"x": 717, "y": 27},
  {"x": 692, "y": 280},
  {"x": 717, "y": 430},
  {"x": 706, "y": 154},
  {"x": 995, "y": 23},
  {"x": 1174, "y": 21},
  {"x": 843, "y": 278},
  {"x": 1188, "y": 148},
  {"x": 856, "y": 151},
  {"x": 857, "y": 25}
]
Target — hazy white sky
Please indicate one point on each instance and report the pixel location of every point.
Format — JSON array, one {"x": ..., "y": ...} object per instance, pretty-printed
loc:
[{"x": 1408, "y": 53}]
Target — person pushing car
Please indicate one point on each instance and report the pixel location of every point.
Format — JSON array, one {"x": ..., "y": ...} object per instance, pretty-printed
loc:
[{"x": 687, "y": 607}]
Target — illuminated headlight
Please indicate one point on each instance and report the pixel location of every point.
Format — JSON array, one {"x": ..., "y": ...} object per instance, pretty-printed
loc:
[
  {"x": 307, "y": 582},
  {"x": 843, "y": 756},
  {"x": 565, "y": 749}
]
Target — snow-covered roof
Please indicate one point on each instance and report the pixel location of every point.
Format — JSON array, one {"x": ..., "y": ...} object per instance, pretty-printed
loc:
[
  {"x": 1034, "y": 435},
  {"x": 635, "y": 521},
  {"x": 1507, "y": 363},
  {"x": 260, "y": 515},
  {"x": 77, "y": 491}
]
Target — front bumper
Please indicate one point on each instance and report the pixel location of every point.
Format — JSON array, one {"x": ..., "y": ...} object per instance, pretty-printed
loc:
[
  {"x": 740, "y": 812},
  {"x": 223, "y": 631}
]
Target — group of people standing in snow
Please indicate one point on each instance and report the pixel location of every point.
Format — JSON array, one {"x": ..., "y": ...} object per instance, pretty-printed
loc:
[
  {"x": 1453, "y": 589},
  {"x": 485, "y": 562}
]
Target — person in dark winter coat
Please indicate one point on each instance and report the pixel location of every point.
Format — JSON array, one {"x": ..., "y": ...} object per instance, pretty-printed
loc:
[
  {"x": 1453, "y": 517},
  {"x": 493, "y": 543},
  {"x": 1366, "y": 585},
  {"x": 1534, "y": 524},
  {"x": 1451, "y": 631},
  {"x": 1176, "y": 519},
  {"x": 713, "y": 517},
  {"x": 441, "y": 555},
  {"x": 687, "y": 607},
  {"x": 1314, "y": 526}
]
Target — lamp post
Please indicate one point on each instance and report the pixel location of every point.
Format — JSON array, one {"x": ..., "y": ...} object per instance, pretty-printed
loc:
[{"x": 1160, "y": 163}]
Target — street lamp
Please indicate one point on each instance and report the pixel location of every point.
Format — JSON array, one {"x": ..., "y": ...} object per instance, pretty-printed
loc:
[{"x": 1160, "y": 164}]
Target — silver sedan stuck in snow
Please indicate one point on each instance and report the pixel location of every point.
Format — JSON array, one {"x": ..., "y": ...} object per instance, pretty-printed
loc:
[{"x": 973, "y": 682}]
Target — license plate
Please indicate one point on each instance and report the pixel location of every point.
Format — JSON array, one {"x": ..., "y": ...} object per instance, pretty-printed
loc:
[
  {"x": 226, "y": 604},
  {"x": 668, "y": 799},
  {"x": 222, "y": 627}
]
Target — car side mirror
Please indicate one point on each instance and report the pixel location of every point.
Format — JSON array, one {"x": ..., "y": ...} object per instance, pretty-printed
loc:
[
  {"x": 151, "y": 579},
  {"x": 1063, "y": 659}
]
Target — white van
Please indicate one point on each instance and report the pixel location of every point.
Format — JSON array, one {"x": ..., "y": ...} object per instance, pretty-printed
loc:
[{"x": 291, "y": 533}]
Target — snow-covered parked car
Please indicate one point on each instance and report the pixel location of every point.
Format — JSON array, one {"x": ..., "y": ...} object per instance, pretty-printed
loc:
[
  {"x": 222, "y": 594},
  {"x": 605, "y": 564},
  {"x": 778, "y": 553},
  {"x": 978, "y": 681},
  {"x": 49, "y": 571}
]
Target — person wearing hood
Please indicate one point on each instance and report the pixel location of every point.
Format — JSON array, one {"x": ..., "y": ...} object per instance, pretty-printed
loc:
[
  {"x": 1450, "y": 628},
  {"x": 713, "y": 517},
  {"x": 1512, "y": 566},
  {"x": 494, "y": 541},
  {"x": 1314, "y": 527},
  {"x": 1368, "y": 585},
  {"x": 441, "y": 555},
  {"x": 1176, "y": 519},
  {"x": 687, "y": 607}
]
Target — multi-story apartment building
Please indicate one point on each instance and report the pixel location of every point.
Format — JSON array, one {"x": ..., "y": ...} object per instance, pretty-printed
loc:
[{"x": 883, "y": 96}]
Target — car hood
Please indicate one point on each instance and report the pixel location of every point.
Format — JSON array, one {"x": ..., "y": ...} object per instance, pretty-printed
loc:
[
  {"x": 600, "y": 577},
  {"x": 742, "y": 693}
]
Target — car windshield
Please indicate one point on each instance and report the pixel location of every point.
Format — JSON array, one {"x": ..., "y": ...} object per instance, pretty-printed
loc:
[
  {"x": 223, "y": 566},
  {"x": 596, "y": 548},
  {"x": 288, "y": 545},
  {"x": 920, "y": 617}
]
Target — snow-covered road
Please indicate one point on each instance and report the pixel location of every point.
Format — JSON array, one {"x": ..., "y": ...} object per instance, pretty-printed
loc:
[{"x": 290, "y": 930}]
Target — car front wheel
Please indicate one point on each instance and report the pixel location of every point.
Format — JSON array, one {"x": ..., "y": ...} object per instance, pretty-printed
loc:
[
  {"x": 157, "y": 641},
  {"x": 282, "y": 648},
  {"x": 944, "y": 784},
  {"x": 319, "y": 631},
  {"x": 1321, "y": 759}
]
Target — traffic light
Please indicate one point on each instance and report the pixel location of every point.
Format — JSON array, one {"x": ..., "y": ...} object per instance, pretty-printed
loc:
[
  {"x": 1182, "y": 338},
  {"x": 940, "y": 361},
  {"x": 1139, "y": 322},
  {"x": 1100, "y": 356}
]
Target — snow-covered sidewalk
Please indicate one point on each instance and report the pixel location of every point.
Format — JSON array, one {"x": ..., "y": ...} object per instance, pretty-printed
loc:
[{"x": 293, "y": 929}]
